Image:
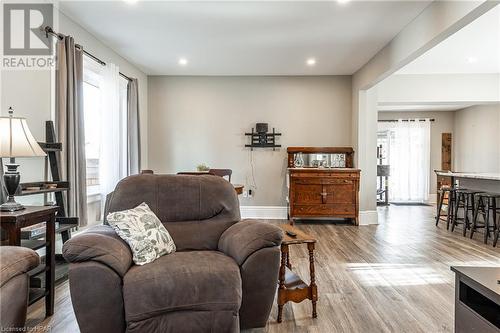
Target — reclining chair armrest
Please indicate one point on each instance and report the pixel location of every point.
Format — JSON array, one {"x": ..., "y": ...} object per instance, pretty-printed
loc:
[
  {"x": 101, "y": 244},
  {"x": 16, "y": 260},
  {"x": 246, "y": 237}
]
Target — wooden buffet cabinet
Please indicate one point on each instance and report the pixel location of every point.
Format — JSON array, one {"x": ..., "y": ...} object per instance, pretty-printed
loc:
[{"x": 323, "y": 192}]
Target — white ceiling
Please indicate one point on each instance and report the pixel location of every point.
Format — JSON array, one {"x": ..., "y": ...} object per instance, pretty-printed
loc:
[
  {"x": 245, "y": 37},
  {"x": 473, "y": 49},
  {"x": 389, "y": 107}
]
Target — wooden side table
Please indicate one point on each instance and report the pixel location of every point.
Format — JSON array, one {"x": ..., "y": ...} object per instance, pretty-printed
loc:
[
  {"x": 12, "y": 222},
  {"x": 238, "y": 188},
  {"x": 291, "y": 287}
]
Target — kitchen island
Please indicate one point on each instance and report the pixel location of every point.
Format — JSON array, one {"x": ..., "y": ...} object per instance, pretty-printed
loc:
[{"x": 486, "y": 182}]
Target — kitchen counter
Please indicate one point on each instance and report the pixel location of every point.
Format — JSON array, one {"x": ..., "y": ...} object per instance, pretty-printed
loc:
[
  {"x": 480, "y": 181},
  {"x": 470, "y": 175}
]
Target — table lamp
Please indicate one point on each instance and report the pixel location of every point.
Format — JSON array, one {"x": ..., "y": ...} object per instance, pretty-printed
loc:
[{"x": 16, "y": 140}]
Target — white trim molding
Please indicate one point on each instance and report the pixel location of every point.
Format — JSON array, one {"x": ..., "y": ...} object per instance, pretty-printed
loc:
[
  {"x": 368, "y": 217},
  {"x": 264, "y": 212},
  {"x": 280, "y": 213},
  {"x": 432, "y": 198}
]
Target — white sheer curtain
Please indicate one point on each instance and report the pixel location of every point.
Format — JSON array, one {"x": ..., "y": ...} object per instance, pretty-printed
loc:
[
  {"x": 409, "y": 158},
  {"x": 111, "y": 162}
]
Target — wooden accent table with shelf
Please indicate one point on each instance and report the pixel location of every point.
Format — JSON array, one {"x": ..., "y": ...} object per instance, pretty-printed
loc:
[
  {"x": 291, "y": 286},
  {"x": 12, "y": 222}
]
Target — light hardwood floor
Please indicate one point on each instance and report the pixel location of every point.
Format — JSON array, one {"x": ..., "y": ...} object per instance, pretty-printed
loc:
[{"x": 393, "y": 277}]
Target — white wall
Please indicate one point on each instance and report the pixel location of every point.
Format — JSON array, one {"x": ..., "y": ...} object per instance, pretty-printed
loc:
[
  {"x": 100, "y": 50},
  {"x": 438, "y": 21},
  {"x": 475, "y": 134},
  {"x": 203, "y": 120},
  {"x": 476, "y": 139},
  {"x": 439, "y": 88},
  {"x": 444, "y": 122},
  {"x": 29, "y": 93}
]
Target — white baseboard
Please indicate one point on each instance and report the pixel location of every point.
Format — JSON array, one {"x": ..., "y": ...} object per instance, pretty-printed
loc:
[
  {"x": 368, "y": 217},
  {"x": 432, "y": 198},
  {"x": 264, "y": 212},
  {"x": 280, "y": 213}
]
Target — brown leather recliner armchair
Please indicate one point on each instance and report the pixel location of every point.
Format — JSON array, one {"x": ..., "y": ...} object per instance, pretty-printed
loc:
[
  {"x": 15, "y": 262},
  {"x": 223, "y": 275}
]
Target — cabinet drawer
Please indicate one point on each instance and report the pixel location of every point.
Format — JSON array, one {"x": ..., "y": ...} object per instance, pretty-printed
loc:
[
  {"x": 345, "y": 175},
  {"x": 307, "y": 194},
  {"x": 345, "y": 209},
  {"x": 340, "y": 210},
  {"x": 323, "y": 181}
]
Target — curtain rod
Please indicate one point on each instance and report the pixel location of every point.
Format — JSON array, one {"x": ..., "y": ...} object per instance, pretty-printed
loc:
[
  {"x": 49, "y": 31},
  {"x": 396, "y": 120}
]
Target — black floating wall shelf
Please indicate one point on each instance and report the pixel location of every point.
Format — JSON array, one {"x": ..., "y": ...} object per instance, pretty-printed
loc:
[{"x": 262, "y": 139}]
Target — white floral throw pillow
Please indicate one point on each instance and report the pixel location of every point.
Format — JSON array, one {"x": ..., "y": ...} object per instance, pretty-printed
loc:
[{"x": 144, "y": 233}]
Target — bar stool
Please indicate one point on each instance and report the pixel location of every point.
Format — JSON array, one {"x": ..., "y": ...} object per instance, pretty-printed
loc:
[
  {"x": 448, "y": 193},
  {"x": 497, "y": 234},
  {"x": 464, "y": 198},
  {"x": 486, "y": 203}
]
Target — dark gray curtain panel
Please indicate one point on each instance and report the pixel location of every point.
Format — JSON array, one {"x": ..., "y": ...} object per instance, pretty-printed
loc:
[
  {"x": 70, "y": 126},
  {"x": 133, "y": 130},
  {"x": 3, "y": 192}
]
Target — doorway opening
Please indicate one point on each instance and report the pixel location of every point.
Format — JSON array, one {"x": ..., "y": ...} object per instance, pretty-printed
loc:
[{"x": 403, "y": 161}]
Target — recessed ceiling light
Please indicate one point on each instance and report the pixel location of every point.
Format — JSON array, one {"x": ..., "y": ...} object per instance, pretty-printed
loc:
[
  {"x": 311, "y": 62},
  {"x": 183, "y": 61},
  {"x": 343, "y": 1},
  {"x": 131, "y": 1},
  {"x": 471, "y": 60}
]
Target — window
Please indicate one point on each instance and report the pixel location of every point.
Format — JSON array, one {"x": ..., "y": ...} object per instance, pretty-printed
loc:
[
  {"x": 406, "y": 148},
  {"x": 94, "y": 117}
]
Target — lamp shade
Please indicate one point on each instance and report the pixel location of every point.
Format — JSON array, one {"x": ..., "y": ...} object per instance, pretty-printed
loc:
[{"x": 16, "y": 139}]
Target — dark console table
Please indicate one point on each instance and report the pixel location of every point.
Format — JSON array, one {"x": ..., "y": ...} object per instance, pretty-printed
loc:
[
  {"x": 12, "y": 222},
  {"x": 477, "y": 299}
]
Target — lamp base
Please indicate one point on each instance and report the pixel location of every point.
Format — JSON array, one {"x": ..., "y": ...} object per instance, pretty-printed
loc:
[
  {"x": 11, "y": 206},
  {"x": 11, "y": 181}
]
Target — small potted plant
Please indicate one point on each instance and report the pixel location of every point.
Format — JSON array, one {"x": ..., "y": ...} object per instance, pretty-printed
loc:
[{"x": 202, "y": 167}]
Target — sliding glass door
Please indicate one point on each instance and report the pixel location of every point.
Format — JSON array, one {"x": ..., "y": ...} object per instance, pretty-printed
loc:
[{"x": 408, "y": 154}]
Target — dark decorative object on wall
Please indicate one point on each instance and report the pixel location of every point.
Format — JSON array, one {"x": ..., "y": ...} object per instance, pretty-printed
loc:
[
  {"x": 260, "y": 138},
  {"x": 261, "y": 128}
]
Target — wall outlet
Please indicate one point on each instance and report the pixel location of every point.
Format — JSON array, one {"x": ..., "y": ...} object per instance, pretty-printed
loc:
[{"x": 250, "y": 193}]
